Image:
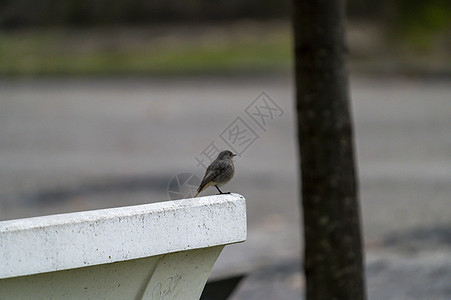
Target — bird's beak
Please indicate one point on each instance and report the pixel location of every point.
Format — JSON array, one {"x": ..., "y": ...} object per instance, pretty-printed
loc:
[{"x": 233, "y": 154}]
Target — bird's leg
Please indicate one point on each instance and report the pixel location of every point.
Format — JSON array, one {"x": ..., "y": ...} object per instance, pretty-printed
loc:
[{"x": 220, "y": 192}]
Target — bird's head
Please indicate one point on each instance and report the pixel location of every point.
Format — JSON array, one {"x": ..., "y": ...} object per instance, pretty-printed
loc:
[{"x": 226, "y": 154}]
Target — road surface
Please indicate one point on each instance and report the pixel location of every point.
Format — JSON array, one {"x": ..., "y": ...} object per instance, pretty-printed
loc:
[{"x": 79, "y": 144}]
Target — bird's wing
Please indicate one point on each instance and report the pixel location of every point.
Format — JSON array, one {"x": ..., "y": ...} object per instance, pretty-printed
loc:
[{"x": 211, "y": 173}]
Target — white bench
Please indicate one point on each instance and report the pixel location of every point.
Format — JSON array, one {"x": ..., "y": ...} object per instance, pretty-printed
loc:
[{"x": 162, "y": 250}]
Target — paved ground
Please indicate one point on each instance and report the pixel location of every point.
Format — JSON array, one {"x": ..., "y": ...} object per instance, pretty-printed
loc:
[{"x": 68, "y": 145}]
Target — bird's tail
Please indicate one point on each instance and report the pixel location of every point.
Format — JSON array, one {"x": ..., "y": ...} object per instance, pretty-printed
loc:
[{"x": 203, "y": 185}]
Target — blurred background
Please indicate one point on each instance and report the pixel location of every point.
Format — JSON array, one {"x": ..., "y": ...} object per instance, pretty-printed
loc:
[{"x": 103, "y": 103}]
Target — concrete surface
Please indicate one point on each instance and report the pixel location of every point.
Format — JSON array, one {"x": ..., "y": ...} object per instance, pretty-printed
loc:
[
  {"x": 179, "y": 276},
  {"x": 77, "y": 144},
  {"x": 152, "y": 251},
  {"x": 67, "y": 241}
]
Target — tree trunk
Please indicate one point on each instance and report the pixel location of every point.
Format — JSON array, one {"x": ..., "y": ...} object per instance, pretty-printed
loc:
[{"x": 333, "y": 251}]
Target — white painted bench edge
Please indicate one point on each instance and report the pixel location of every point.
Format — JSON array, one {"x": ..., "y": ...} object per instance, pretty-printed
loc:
[{"x": 80, "y": 239}]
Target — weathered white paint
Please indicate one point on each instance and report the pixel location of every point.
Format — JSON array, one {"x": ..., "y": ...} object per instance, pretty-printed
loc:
[
  {"x": 178, "y": 276},
  {"x": 137, "y": 252}
]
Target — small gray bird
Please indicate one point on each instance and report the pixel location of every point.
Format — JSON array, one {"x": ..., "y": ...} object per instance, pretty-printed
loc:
[{"x": 219, "y": 172}]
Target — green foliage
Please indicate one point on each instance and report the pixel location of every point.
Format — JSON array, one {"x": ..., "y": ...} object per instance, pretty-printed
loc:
[
  {"x": 420, "y": 23},
  {"x": 57, "y": 52}
]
